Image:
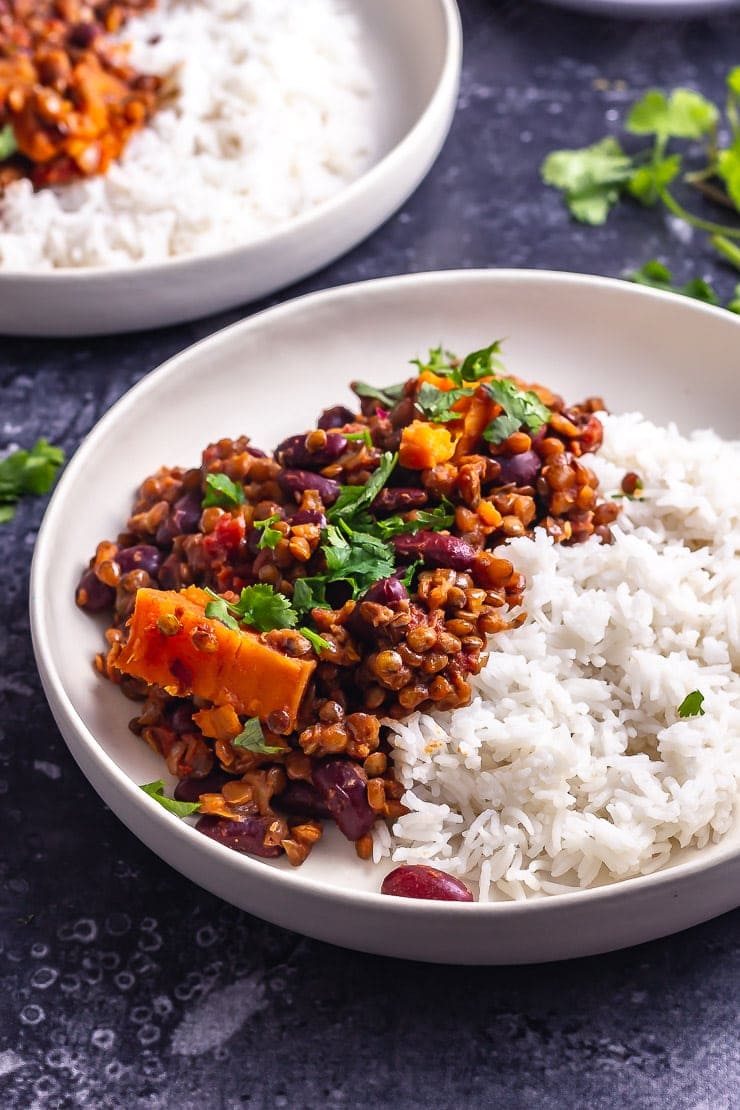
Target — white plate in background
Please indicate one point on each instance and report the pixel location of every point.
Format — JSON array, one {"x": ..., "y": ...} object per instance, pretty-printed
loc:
[
  {"x": 270, "y": 375},
  {"x": 414, "y": 51}
]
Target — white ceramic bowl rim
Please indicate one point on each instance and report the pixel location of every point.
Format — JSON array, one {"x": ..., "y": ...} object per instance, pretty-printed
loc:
[
  {"x": 348, "y": 195},
  {"x": 57, "y": 695}
]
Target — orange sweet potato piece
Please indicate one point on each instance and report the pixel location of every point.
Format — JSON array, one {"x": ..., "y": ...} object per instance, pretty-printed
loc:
[
  {"x": 425, "y": 445},
  {"x": 174, "y": 645},
  {"x": 480, "y": 412}
]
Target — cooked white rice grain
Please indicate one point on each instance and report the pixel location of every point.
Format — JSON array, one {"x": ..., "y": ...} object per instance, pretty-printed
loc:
[
  {"x": 571, "y": 766},
  {"x": 272, "y": 115}
]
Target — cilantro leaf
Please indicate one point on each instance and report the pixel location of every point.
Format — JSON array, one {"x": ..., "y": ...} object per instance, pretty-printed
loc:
[
  {"x": 252, "y": 739},
  {"x": 353, "y": 499},
  {"x": 155, "y": 790},
  {"x": 522, "y": 408},
  {"x": 734, "y": 304},
  {"x": 479, "y": 364},
  {"x": 728, "y": 168},
  {"x": 438, "y": 361},
  {"x": 222, "y": 492},
  {"x": 656, "y": 275},
  {"x": 685, "y": 114},
  {"x": 27, "y": 472},
  {"x": 270, "y": 537},
  {"x": 364, "y": 434},
  {"x": 433, "y": 520},
  {"x": 8, "y": 142},
  {"x": 309, "y": 593},
  {"x": 408, "y": 576},
  {"x": 317, "y": 642},
  {"x": 357, "y": 558},
  {"x": 436, "y": 404},
  {"x": 388, "y": 396},
  {"x": 259, "y": 606},
  {"x": 691, "y": 706},
  {"x": 648, "y": 182},
  {"x": 218, "y": 610},
  {"x": 591, "y": 178}
]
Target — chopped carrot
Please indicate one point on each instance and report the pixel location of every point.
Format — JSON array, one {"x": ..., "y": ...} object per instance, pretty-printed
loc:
[{"x": 174, "y": 645}]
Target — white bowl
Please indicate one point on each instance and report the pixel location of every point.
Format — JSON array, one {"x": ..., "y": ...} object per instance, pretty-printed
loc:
[
  {"x": 268, "y": 375},
  {"x": 414, "y": 49}
]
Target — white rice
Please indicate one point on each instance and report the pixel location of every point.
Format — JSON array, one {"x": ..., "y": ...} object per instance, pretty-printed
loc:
[
  {"x": 572, "y": 766},
  {"x": 272, "y": 115}
]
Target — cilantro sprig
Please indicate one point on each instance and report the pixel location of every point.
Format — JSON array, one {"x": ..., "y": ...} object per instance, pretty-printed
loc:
[
  {"x": 27, "y": 472},
  {"x": 522, "y": 409},
  {"x": 259, "y": 606},
  {"x": 253, "y": 739},
  {"x": 270, "y": 537},
  {"x": 691, "y": 706},
  {"x": 593, "y": 179},
  {"x": 656, "y": 275},
  {"x": 155, "y": 790},
  {"x": 222, "y": 492}
]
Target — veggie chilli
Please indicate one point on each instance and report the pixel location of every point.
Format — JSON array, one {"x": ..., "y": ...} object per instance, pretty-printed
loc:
[
  {"x": 270, "y": 612},
  {"x": 69, "y": 99}
]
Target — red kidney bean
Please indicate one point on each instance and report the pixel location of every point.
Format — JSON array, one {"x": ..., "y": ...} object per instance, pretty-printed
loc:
[
  {"x": 293, "y": 452},
  {"x": 385, "y": 591},
  {"x": 421, "y": 881},
  {"x": 181, "y": 717},
  {"x": 308, "y": 516},
  {"x": 182, "y": 520},
  {"x": 83, "y": 34},
  {"x": 343, "y": 787},
  {"x": 92, "y": 594},
  {"x": 170, "y": 573},
  {"x": 436, "y": 550},
  {"x": 521, "y": 469},
  {"x": 142, "y": 556},
  {"x": 399, "y": 500},
  {"x": 247, "y": 835},
  {"x": 302, "y": 799},
  {"x": 335, "y": 417},
  {"x": 256, "y": 452},
  {"x": 298, "y": 481},
  {"x": 190, "y": 789}
]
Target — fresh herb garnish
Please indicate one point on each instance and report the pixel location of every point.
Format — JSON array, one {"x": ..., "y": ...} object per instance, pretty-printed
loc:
[
  {"x": 8, "y": 142},
  {"x": 222, "y": 492},
  {"x": 318, "y": 643},
  {"x": 354, "y": 499},
  {"x": 432, "y": 520},
  {"x": 691, "y": 706},
  {"x": 27, "y": 472},
  {"x": 593, "y": 179},
  {"x": 357, "y": 558},
  {"x": 259, "y": 606},
  {"x": 388, "y": 396},
  {"x": 438, "y": 362},
  {"x": 356, "y": 436},
  {"x": 309, "y": 593},
  {"x": 436, "y": 404},
  {"x": 656, "y": 275},
  {"x": 479, "y": 364},
  {"x": 270, "y": 537},
  {"x": 155, "y": 790},
  {"x": 252, "y": 739},
  {"x": 522, "y": 408}
]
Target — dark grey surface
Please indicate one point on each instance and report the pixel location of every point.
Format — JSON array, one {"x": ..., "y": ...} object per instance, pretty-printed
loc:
[{"x": 121, "y": 984}]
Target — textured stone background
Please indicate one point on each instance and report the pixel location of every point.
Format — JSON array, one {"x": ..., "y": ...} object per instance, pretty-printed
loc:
[{"x": 121, "y": 984}]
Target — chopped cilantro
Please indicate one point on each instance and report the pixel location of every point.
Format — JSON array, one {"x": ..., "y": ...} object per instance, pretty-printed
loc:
[
  {"x": 364, "y": 434},
  {"x": 438, "y": 361},
  {"x": 27, "y": 472},
  {"x": 270, "y": 537},
  {"x": 408, "y": 576},
  {"x": 357, "y": 558},
  {"x": 252, "y": 739},
  {"x": 8, "y": 142},
  {"x": 691, "y": 706},
  {"x": 259, "y": 606},
  {"x": 353, "y": 499},
  {"x": 522, "y": 408},
  {"x": 479, "y": 364},
  {"x": 684, "y": 114},
  {"x": 433, "y": 520},
  {"x": 155, "y": 790},
  {"x": 590, "y": 178},
  {"x": 436, "y": 404},
  {"x": 309, "y": 593},
  {"x": 657, "y": 276},
  {"x": 388, "y": 396},
  {"x": 317, "y": 642},
  {"x": 222, "y": 492}
]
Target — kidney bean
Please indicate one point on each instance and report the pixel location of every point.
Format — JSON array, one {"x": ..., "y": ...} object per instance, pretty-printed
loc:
[
  {"x": 92, "y": 594},
  {"x": 183, "y": 520},
  {"x": 190, "y": 789},
  {"x": 246, "y": 836},
  {"x": 142, "y": 556},
  {"x": 298, "y": 481},
  {"x": 421, "y": 881},
  {"x": 343, "y": 787},
  {"x": 83, "y": 34},
  {"x": 170, "y": 573},
  {"x": 308, "y": 516},
  {"x": 293, "y": 452},
  {"x": 385, "y": 591},
  {"x": 256, "y": 452},
  {"x": 181, "y": 718},
  {"x": 302, "y": 799},
  {"x": 436, "y": 550},
  {"x": 335, "y": 417},
  {"x": 521, "y": 469},
  {"x": 399, "y": 500}
]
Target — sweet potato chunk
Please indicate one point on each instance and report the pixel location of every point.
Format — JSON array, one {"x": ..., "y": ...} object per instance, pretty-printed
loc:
[
  {"x": 174, "y": 645},
  {"x": 425, "y": 445}
]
